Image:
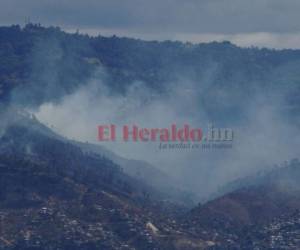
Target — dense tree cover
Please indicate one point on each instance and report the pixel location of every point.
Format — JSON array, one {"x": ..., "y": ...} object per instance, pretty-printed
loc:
[{"x": 47, "y": 63}]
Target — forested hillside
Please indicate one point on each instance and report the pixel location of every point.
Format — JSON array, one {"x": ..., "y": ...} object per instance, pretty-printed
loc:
[{"x": 41, "y": 64}]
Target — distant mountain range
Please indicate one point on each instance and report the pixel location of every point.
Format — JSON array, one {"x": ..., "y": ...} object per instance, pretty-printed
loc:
[{"x": 39, "y": 64}]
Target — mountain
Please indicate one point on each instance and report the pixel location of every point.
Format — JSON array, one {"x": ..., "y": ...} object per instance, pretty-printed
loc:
[
  {"x": 39, "y": 64},
  {"x": 248, "y": 216},
  {"x": 57, "y": 193},
  {"x": 140, "y": 170},
  {"x": 54, "y": 195}
]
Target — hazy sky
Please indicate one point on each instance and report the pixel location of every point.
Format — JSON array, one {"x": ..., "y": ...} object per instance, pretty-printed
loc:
[{"x": 273, "y": 23}]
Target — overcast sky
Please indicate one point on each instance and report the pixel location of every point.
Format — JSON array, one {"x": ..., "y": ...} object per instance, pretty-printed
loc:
[{"x": 272, "y": 23}]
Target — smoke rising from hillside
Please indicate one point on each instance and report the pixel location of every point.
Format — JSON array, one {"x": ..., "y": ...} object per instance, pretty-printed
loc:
[{"x": 263, "y": 137}]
